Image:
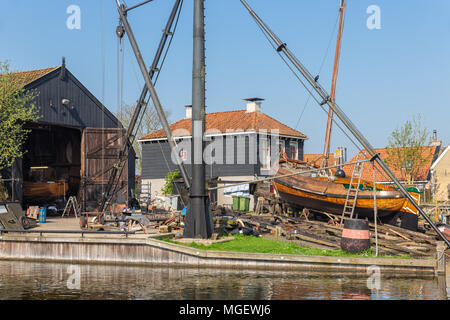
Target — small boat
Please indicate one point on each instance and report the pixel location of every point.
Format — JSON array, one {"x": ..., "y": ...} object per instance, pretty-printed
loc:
[{"x": 49, "y": 189}]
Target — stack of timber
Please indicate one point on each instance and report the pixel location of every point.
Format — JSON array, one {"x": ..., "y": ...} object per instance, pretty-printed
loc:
[{"x": 392, "y": 240}]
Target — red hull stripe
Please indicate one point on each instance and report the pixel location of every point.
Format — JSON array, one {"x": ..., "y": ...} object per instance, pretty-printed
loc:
[{"x": 355, "y": 234}]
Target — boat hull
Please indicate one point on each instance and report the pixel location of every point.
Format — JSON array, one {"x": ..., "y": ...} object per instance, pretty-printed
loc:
[
  {"x": 45, "y": 189},
  {"x": 335, "y": 204}
]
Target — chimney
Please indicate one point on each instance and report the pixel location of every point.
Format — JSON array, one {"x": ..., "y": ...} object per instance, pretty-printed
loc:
[
  {"x": 253, "y": 104},
  {"x": 63, "y": 74},
  {"x": 188, "y": 111},
  {"x": 435, "y": 142}
]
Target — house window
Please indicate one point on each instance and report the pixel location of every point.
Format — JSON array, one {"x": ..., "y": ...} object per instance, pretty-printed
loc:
[
  {"x": 293, "y": 145},
  {"x": 265, "y": 154}
]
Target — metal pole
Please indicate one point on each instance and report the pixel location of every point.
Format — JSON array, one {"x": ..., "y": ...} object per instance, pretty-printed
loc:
[
  {"x": 342, "y": 116},
  {"x": 153, "y": 94},
  {"x": 198, "y": 223}
]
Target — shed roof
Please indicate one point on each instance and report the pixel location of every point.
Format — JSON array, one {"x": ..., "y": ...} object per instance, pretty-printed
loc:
[{"x": 32, "y": 75}]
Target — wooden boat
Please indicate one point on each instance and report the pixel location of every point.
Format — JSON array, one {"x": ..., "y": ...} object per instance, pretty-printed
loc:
[
  {"x": 329, "y": 195},
  {"x": 48, "y": 189}
]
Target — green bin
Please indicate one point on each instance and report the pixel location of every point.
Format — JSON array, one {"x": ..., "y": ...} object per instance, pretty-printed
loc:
[
  {"x": 235, "y": 203},
  {"x": 243, "y": 203}
]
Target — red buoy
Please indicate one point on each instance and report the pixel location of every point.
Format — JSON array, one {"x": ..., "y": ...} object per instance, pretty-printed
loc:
[{"x": 355, "y": 236}]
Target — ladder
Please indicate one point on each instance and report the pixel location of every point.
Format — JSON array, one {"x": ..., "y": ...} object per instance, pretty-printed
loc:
[
  {"x": 72, "y": 201},
  {"x": 352, "y": 192}
]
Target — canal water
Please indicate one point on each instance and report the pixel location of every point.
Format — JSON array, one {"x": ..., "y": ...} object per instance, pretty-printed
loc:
[{"x": 29, "y": 280}]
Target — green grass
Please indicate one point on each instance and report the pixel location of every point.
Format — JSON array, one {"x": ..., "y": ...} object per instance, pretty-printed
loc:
[{"x": 253, "y": 244}]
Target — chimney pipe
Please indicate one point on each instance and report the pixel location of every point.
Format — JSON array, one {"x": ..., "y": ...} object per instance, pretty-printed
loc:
[
  {"x": 188, "y": 109},
  {"x": 435, "y": 142},
  {"x": 253, "y": 104}
]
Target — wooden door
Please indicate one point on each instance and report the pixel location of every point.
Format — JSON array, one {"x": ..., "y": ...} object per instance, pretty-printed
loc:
[{"x": 100, "y": 148}]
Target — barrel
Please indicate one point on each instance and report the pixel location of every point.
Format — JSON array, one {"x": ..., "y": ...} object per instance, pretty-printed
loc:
[
  {"x": 42, "y": 215},
  {"x": 355, "y": 236}
]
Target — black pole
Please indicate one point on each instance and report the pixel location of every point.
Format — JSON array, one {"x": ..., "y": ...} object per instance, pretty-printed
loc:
[
  {"x": 153, "y": 94},
  {"x": 198, "y": 223},
  {"x": 281, "y": 47}
]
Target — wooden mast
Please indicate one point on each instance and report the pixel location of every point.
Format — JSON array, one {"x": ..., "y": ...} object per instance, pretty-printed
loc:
[{"x": 326, "y": 151}]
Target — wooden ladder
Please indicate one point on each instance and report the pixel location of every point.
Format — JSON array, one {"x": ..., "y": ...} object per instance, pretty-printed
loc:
[
  {"x": 72, "y": 201},
  {"x": 352, "y": 192}
]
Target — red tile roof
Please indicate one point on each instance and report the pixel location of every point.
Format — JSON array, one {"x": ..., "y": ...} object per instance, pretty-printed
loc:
[
  {"x": 428, "y": 152},
  {"x": 238, "y": 120}
]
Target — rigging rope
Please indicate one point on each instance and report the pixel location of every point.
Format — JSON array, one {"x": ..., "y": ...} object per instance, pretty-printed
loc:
[
  {"x": 287, "y": 175},
  {"x": 320, "y": 69},
  {"x": 306, "y": 88}
]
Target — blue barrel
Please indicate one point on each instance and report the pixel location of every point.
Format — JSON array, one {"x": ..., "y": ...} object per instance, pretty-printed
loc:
[{"x": 42, "y": 214}]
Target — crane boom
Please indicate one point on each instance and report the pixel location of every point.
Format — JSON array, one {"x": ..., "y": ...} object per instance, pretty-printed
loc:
[{"x": 113, "y": 182}]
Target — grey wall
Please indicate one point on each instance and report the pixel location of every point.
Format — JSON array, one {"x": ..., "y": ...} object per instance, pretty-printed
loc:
[
  {"x": 84, "y": 109},
  {"x": 156, "y": 160}
]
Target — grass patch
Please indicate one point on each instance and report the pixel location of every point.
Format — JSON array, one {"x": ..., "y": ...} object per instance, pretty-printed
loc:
[{"x": 253, "y": 244}]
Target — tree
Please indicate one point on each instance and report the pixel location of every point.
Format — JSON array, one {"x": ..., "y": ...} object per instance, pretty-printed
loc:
[
  {"x": 16, "y": 108},
  {"x": 150, "y": 122},
  {"x": 408, "y": 148},
  {"x": 170, "y": 178}
]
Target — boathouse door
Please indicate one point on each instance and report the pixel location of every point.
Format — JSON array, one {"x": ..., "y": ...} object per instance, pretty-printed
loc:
[{"x": 100, "y": 148}]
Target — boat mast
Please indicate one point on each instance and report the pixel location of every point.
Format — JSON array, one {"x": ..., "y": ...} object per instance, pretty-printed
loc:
[
  {"x": 326, "y": 150},
  {"x": 282, "y": 47}
]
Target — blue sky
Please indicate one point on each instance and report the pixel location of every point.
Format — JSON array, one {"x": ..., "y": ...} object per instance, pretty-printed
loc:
[{"x": 386, "y": 75}]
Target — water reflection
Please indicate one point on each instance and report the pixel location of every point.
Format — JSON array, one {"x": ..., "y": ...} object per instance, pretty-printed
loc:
[{"x": 24, "y": 280}]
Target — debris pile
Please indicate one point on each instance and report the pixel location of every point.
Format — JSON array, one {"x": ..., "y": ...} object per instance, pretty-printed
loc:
[{"x": 391, "y": 240}]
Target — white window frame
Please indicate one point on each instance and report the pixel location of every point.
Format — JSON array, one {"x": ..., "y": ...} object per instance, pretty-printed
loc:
[{"x": 266, "y": 164}]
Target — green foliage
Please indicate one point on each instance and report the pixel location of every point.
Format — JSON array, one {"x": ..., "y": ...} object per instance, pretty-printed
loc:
[
  {"x": 168, "y": 186},
  {"x": 253, "y": 244},
  {"x": 16, "y": 108},
  {"x": 406, "y": 148}
]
